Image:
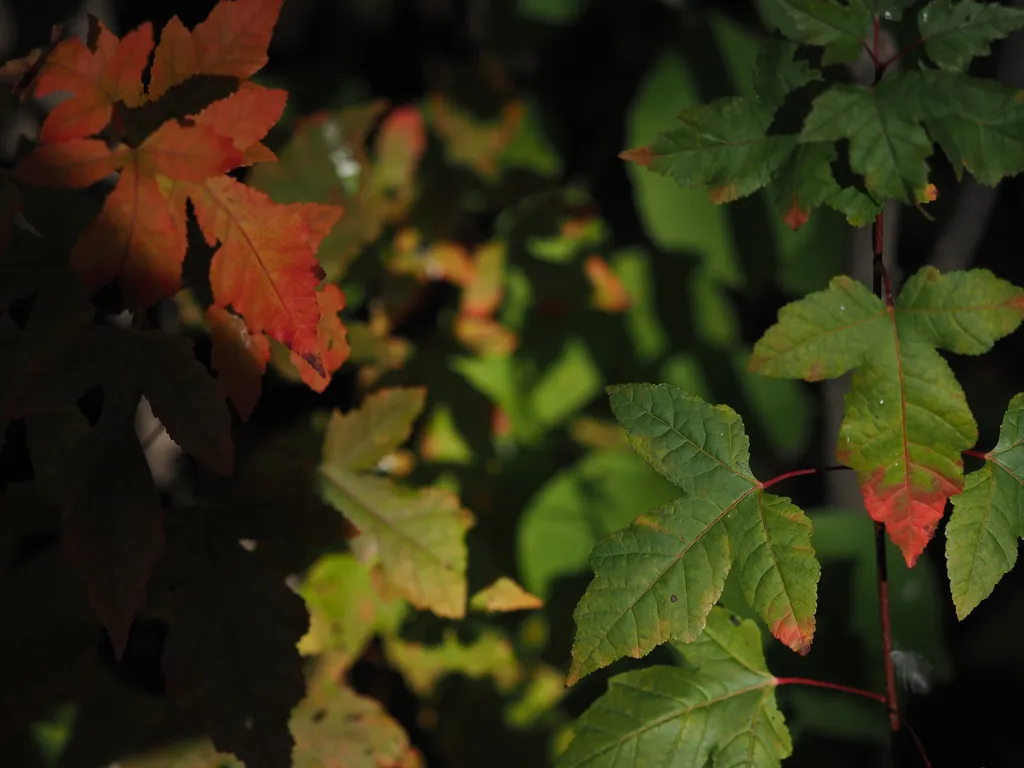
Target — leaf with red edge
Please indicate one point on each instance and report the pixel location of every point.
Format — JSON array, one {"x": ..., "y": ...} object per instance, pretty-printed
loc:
[
  {"x": 238, "y": 357},
  {"x": 334, "y": 347},
  {"x": 265, "y": 268},
  {"x": 400, "y": 146},
  {"x": 658, "y": 579},
  {"x": 906, "y": 420},
  {"x": 232, "y": 41},
  {"x": 97, "y": 79}
]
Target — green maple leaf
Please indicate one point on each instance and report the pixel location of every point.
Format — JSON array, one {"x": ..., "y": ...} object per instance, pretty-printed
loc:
[
  {"x": 778, "y": 72},
  {"x": 888, "y": 145},
  {"x": 988, "y": 517},
  {"x": 418, "y": 535},
  {"x": 906, "y": 420},
  {"x": 979, "y": 123},
  {"x": 956, "y": 32},
  {"x": 721, "y": 708},
  {"x": 722, "y": 145},
  {"x": 657, "y": 580},
  {"x": 839, "y": 28}
]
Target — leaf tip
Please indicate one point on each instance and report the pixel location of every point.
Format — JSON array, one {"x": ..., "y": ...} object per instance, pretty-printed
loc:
[{"x": 642, "y": 156}]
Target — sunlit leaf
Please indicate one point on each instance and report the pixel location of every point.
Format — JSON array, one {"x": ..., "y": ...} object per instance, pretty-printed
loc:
[
  {"x": 635, "y": 604},
  {"x": 906, "y": 420},
  {"x": 417, "y": 534}
]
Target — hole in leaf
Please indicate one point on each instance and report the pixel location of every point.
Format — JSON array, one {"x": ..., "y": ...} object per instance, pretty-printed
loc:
[
  {"x": 674, "y": 598},
  {"x": 91, "y": 404},
  {"x": 319, "y": 715}
]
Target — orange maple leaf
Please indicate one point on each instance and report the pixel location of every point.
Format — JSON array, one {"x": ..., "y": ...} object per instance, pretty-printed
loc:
[
  {"x": 135, "y": 240},
  {"x": 331, "y": 336},
  {"x": 265, "y": 268},
  {"x": 233, "y": 41},
  {"x": 96, "y": 79}
]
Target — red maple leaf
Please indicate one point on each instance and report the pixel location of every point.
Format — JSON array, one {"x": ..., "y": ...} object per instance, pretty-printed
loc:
[
  {"x": 96, "y": 79},
  {"x": 265, "y": 268}
]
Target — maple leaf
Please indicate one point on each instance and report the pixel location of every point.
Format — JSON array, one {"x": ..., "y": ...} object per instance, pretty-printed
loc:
[
  {"x": 246, "y": 116},
  {"x": 265, "y": 268},
  {"x": 504, "y": 595},
  {"x": 956, "y": 32},
  {"x": 888, "y": 145},
  {"x": 838, "y": 27},
  {"x": 135, "y": 239},
  {"x": 722, "y": 145},
  {"x": 139, "y": 238},
  {"x": 232, "y": 41},
  {"x": 230, "y": 655},
  {"x": 96, "y": 80},
  {"x": 719, "y": 710},
  {"x": 988, "y": 517},
  {"x": 657, "y": 580},
  {"x": 418, "y": 535},
  {"x": 335, "y": 726},
  {"x": 906, "y": 420},
  {"x": 978, "y": 123},
  {"x": 725, "y": 145},
  {"x": 238, "y": 357},
  {"x": 345, "y": 609}
]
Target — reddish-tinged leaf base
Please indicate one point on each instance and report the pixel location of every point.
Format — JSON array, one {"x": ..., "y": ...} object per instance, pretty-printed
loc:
[{"x": 910, "y": 514}]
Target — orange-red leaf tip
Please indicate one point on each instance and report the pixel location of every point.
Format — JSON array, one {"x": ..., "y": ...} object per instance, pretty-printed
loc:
[
  {"x": 796, "y": 216},
  {"x": 642, "y": 156}
]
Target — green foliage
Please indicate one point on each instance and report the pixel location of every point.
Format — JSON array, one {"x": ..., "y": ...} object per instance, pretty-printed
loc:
[
  {"x": 657, "y": 580},
  {"x": 981, "y": 538},
  {"x": 906, "y": 419},
  {"x": 720, "y": 706},
  {"x": 418, "y": 536}
]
